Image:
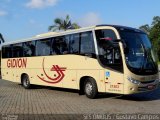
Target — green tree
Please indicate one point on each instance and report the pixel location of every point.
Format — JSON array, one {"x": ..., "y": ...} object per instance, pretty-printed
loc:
[
  {"x": 155, "y": 37},
  {"x": 146, "y": 28},
  {"x": 156, "y": 20},
  {"x": 63, "y": 24},
  {"x": 153, "y": 32}
]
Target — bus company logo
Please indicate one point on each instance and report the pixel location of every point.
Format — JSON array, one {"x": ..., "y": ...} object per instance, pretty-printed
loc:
[{"x": 58, "y": 76}]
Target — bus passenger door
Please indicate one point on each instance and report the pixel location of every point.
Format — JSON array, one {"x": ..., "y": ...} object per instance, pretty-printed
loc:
[
  {"x": 114, "y": 77},
  {"x": 110, "y": 57}
]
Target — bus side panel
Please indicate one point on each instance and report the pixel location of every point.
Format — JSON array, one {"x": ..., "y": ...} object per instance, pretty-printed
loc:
[
  {"x": 40, "y": 71},
  {"x": 7, "y": 73},
  {"x": 70, "y": 79},
  {"x": 17, "y": 75},
  {"x": 43, "y": 70},
  {"x": 114, "y": 82},
  {"x": 97, "y": 75}
]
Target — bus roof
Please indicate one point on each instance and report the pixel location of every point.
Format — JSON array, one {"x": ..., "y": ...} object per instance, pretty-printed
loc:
[
  {"x": 54, "y": 34},
  {"x": 120, "y": 26},
  {"x": 51, "y": 34}
]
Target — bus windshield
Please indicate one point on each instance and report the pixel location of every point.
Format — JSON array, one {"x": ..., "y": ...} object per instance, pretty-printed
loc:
[{"x": 140, "y": 56}]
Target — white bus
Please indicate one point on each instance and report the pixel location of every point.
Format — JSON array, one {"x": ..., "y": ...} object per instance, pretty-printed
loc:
[{"x": 102, "y": 58}]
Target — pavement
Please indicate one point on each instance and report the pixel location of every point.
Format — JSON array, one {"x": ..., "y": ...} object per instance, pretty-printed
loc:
[
  {"x": 14, "y": 99},
  {"x": 55, "y": 103}
]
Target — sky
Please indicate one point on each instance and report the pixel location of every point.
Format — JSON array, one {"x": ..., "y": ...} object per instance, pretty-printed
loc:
[{"x": 21, "y": 19}]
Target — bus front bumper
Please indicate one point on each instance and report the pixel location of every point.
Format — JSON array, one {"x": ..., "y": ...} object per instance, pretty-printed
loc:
[{"x": 142, "y": 87}]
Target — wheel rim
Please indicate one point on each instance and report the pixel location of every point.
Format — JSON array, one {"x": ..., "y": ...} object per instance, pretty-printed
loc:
[
  {"x": 25, "y": 82},
  {"x": 89, "y": 88}
]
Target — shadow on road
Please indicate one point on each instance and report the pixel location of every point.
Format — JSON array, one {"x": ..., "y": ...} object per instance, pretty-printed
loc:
[
  {"x": 53, "y": 88},
  {"x": 147, "y": 96}
]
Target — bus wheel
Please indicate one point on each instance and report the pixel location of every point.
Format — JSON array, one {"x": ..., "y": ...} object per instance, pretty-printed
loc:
[
  {"x": 90, "y": 88},
  {"x": 26, "y": 82}
]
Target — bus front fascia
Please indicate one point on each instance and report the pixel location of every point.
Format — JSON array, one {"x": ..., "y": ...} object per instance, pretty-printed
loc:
[{"x": 132, "y": 83}]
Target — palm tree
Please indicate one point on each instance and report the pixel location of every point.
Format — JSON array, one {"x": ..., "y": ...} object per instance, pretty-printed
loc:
[
  {"x": 1, "y": 38},
  {"x": 63, "y": 24}
]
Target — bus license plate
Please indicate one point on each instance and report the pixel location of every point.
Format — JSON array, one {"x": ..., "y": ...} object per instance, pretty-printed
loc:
[{"x": 151, "y": 87}]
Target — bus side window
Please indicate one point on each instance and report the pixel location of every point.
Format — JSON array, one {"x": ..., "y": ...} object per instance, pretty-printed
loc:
[
  {"x": 52, "y": 46},
  {"x": 66, "y": 44},
  {"x": 17, "y": 50},
  {"x": 7, "y": 51},
  {"x": 56, "y": 47},
  {"x": 74, "y": 44},
  {"x": 29, "y": 49},
  {"x": 4, "y": 52},
  {"x": 43, "y": 47},
  {"x": 60, "y": 45},
  {"x": 87, "y": 43}
]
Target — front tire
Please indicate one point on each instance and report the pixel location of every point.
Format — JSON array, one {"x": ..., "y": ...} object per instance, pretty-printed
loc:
[
  {"x": 25, "y": 82},
  {"x": 90, "y": 88}
]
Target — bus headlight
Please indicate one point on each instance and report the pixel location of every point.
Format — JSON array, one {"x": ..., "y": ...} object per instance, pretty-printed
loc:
[{"x": 134, "y": 81}]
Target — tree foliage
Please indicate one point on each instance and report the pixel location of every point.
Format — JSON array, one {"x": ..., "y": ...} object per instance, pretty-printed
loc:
[
  {"x": 63, "y": 24},
  {"x": 153, "y": 32},
  {"x": 145, "y": 28}
]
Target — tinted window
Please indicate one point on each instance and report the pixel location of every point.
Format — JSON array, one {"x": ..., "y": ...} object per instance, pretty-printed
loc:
[
  {"x": 107, "y": 34},
  {"x": 7, "y": 51},
  {"x": 43, "y": 47},
  {"x": 74, "y": 43},
  {"x": 109, "y": 54},
  {"x": 29, "y": 49},
  {"x": 87, "y": 43},
  {"x": 66, "y": 43},
  {"x": 60, "y": 45},
  {"x": 139, "y": 53},
  {"x": 18, "y": 50}
]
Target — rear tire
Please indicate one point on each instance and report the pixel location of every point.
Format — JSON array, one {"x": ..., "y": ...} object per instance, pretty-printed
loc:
[
  {"x": 25, "y": 82},
  {"x": 90, "y": 88}
]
